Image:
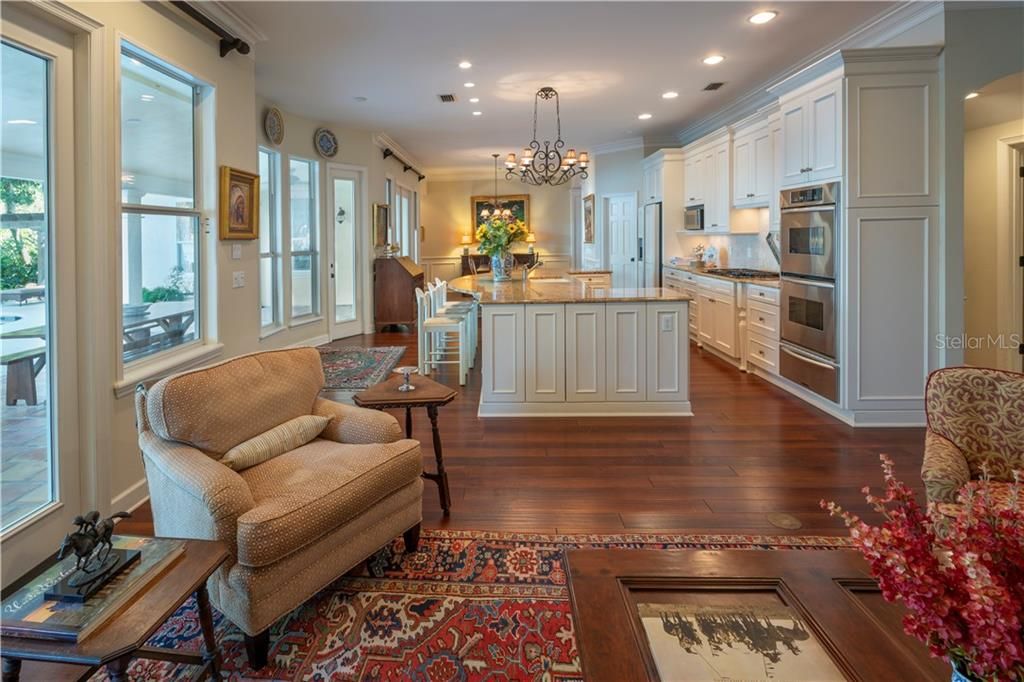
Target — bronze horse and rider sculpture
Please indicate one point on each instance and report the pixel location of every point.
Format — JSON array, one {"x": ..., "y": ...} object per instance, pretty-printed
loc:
[{"x": 91, "y": 544}]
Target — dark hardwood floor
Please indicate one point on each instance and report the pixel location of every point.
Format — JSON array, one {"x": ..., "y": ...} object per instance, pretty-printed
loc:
[{"x": 750, "y": 451}]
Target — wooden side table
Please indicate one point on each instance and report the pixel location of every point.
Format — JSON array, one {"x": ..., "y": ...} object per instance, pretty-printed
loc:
[
  {"x": 428, "y": 394},
  {"x": 124, "y": 636}
]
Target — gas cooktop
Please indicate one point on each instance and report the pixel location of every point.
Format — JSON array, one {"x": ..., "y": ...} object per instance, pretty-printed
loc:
[{"x": 744, "y": 273}]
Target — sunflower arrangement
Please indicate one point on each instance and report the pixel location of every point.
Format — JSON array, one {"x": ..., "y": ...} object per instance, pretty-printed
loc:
[{"x": 497, "y": 233}]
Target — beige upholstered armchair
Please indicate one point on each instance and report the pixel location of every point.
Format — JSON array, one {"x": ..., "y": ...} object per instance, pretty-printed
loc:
[
  {"x": 975, "y": 418},
  {"x": 295, "y": 522}
]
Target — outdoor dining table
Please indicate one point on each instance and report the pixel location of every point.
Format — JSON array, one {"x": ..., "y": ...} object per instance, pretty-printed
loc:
[{"x": 174, "y": 318}]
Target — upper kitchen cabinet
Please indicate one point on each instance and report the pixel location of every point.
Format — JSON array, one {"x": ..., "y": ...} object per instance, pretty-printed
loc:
[
  {"x": 752, "y": 166},
  {"x": 893, "y": 145},
  {"x": 707, "y": 180},
  {"x": 663, "y": 182},
  {"x": 812, "y": 133},
  {"x": 693, "y": 179}
]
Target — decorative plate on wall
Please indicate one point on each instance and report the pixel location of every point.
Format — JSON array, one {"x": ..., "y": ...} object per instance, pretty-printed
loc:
[
  {"x": 273, "y": 124},
  {"x": 325, "y": 142}
]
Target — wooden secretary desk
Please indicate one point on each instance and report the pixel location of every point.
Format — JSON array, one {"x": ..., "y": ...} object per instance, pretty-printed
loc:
[{"x": 394, "y": 291}]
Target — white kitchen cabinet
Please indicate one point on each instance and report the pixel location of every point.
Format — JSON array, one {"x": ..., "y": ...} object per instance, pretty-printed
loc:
[
  {"x": 504, "y": 354},
  {"x": 626, "y": 369},
  {"x": 894, "y": 145},
  {"x": 585, "y": 353},
  {"x": 663, "y": 181},
  {"x": 667, "y": 352},
  {"x": 693, "y": 179},
  {"x": 716, "y": 315},
  {"x": 752, "y": 168},
  {"x": 812, "y": 135},
  {"x": 717, "y": 200},
  {"x": 545, "y": 345},
  {"x": 705, "y": 319},
  {"x": 725, "y": 326},
  {"x": 774, "y": 206}
]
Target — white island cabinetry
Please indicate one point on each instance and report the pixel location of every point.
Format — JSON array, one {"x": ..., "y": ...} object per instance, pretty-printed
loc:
[{"x": 559, "y": 347}]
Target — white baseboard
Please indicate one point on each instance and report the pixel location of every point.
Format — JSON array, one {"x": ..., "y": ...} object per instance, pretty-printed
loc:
[
  {"x": 132, "y": 498},
  {"x": 638, "y": 409},
  {"x": 315, "y": 341}
]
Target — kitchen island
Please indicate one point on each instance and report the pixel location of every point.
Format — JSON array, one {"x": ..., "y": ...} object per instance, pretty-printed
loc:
[{"x": 556, "y": 346}]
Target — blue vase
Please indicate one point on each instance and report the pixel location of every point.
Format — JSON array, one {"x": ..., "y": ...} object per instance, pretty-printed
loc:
[
  {"x": 501, "y": 266},
  {"x": 960, "y": 672}
]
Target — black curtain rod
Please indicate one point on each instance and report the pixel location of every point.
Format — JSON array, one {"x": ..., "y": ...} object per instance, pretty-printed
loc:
[
  {"x": 405, "y": 164},
  {"x": 228, "y": 42}
]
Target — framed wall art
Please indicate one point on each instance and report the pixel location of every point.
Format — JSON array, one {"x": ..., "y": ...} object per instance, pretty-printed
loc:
[{"x": 239, "y": 204}]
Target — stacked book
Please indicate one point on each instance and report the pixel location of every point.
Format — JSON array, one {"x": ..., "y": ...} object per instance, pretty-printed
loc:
[{"x": 27, "y": 612}]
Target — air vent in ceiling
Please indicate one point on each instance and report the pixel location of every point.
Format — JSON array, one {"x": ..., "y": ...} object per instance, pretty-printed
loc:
[
  {"x": 713, "y": 86},
  {"x": 448, "y": 99}
]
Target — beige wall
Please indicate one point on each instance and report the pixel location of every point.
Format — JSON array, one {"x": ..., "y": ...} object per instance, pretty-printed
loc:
[
  {"x": 446, "y": 214},
  {"x": 982, "y": 45},
  {"x": 113, "y": 472},
  {"x": 981, "y": 247}
]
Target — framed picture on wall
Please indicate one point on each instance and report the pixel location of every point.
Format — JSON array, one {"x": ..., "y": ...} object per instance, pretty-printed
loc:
[
  {"x": 239, "y": 204},
  {"x": 588, "y": 219},
  {"x": 381, "y": 216},
  {"x": 519, "y": 204}
]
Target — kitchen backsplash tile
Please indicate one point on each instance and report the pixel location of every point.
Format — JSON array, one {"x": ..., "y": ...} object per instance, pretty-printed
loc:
[{"x": 734, "y": 250}]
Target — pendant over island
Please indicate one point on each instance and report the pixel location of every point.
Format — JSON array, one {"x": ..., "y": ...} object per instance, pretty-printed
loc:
[{"x": 558, "y": 346}]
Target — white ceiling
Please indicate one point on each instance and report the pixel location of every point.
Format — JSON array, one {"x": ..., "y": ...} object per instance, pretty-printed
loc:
[
  {"x": 610, "y": 61},
  {"x": 998, "y": 102}
]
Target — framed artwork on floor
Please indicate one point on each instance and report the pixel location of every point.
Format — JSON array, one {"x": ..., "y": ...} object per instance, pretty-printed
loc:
[
  {"x": 588, "y": 219},
  {"x": 239, "y": 204}
]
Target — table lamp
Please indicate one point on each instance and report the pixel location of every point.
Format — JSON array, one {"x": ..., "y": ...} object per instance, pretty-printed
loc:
[
  {"x": 465, "y": 241},
  {"x": 531, "y": 239}
]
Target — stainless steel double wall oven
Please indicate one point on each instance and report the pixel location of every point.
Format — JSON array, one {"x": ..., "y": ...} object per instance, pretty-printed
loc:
[{"x": 808, "y": 352}]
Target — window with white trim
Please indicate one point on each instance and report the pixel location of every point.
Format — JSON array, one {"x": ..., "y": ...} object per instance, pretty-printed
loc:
[
  {"x": 270, "y": 240},
  {"x": 160, "y": 246},
  {"x": 303, "y": 228}
]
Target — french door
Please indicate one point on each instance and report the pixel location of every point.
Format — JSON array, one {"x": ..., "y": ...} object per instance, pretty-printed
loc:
[
  {"x": 39, "y": 449},
  {"x": 348, "y": 243}
]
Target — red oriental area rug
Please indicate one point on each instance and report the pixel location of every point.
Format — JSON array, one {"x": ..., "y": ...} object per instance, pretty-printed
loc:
[{"x": 469, "y": 605}]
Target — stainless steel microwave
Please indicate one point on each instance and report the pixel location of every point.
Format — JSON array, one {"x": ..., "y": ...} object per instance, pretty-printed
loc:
[{"x": 693, "y": 218}]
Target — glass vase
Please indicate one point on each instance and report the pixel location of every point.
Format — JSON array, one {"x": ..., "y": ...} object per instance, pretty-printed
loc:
[{"x": 501, "y": 266}]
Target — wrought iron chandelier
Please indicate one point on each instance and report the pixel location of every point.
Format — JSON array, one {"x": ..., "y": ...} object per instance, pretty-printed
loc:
[{"x": 545, "y": 165}]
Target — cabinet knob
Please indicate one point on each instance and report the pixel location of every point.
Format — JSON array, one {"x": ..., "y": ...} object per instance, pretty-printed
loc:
[
  {"x": 760, "y": 319},
  {"x": 761, "y": 353}
]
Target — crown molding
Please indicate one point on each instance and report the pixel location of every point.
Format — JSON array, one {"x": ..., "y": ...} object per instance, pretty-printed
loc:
[
  {"x": 227, "y": 15},
  {"x": 878, "y": 30},
  {"x": 618, "y": 146}
]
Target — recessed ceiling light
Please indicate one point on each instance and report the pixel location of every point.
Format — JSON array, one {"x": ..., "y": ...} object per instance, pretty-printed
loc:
[
  {"x": 972, "y": 95},
  {"x": 465, "y": 65},
  {"x": 474, "y": 100},
  {"x": 359, "y": 98},
  {"x": 671, "y": 94},
  {"x": 21, "y": 122},
  {"x": 644, "y": 117},
  {"x": 714, "y": 59},
  {"x": 478, "y": 113},
  {"x": 469, "y": 85},
  {"x": 147, "y": 98},
  {"x": 763, "y": 17}
]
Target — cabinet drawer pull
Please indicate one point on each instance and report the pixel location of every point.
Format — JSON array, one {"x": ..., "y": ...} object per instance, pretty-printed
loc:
[
  {"x": 761, "y": 353},
  {"x": 760, "y": 319}
]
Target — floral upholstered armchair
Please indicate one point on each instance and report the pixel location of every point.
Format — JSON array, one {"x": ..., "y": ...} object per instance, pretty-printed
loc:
[{"x": 975, "y": 420}]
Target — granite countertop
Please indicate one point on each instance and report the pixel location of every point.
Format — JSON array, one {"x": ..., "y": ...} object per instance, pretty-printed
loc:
[
  {"x": 767, "y": 282},
  {"x": 553, "y": 288},
  {"x": 588, "y": 272}
]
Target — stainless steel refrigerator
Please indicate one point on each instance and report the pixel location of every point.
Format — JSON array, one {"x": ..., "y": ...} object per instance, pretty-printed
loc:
[{"x": 649, "y": 247}]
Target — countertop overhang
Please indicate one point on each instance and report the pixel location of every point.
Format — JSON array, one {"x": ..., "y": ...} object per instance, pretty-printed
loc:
[{"x": 550, "y": 288}]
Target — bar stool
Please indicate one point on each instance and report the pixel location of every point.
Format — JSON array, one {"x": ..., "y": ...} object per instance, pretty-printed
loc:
[
  {"x": 430, "y": 330},
  {"x": 469, "y": 309}
]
